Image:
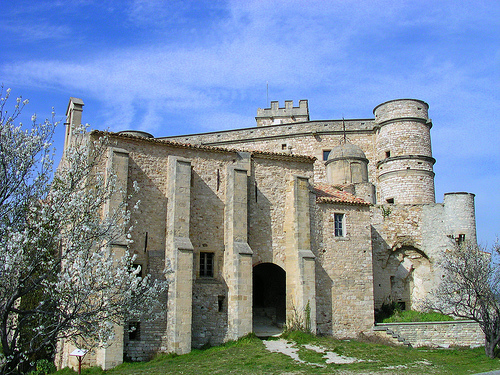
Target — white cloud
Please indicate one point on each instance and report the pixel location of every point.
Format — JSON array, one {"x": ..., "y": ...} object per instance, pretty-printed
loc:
[
  {"x": 203, "y": 66},
  {"x": 295, "y": 48},
  {"x": 34, "y": 31}
]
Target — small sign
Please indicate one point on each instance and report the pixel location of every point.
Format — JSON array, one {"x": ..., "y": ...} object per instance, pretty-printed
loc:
[{"x": 78, "y": 352}]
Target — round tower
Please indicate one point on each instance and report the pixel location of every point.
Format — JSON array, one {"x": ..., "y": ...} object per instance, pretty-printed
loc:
[
  {"x": 403, "y": 151},
  {"x": 460, "y": 216}
]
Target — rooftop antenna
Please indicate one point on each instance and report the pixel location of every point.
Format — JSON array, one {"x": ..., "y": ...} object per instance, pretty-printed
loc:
[
  {"x": 344, "y": 131},
  {"x": 267, "y": 93}
]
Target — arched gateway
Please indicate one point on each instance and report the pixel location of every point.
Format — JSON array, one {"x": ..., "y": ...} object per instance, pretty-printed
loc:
[{"x": 269, "y": 299}]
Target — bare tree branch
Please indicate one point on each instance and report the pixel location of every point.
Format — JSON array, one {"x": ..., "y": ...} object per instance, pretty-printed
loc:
[{"x": 470, "y": 289}]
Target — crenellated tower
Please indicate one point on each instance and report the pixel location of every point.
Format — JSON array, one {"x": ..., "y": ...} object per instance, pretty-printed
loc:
[
  {"x": 276, "y": 115},
  {"x": 403, "y": 151}
]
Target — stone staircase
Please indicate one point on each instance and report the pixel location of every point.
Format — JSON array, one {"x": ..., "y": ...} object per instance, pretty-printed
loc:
[{"x": 396, "y": 338}]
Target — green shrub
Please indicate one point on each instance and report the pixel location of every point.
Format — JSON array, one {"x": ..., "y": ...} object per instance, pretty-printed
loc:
[
  {"x": 43, "y": 367},
  {"x": 387, "y": 310}
]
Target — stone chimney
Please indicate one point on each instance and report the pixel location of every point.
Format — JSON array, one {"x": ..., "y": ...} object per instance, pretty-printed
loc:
[{"x": 73, "y": 118}]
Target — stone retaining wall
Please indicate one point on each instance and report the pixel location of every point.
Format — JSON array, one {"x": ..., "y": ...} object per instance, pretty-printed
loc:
[{"x": 438, "y": 334}]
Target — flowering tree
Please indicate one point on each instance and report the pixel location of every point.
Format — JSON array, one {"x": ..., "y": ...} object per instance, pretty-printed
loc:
[
  {"x": 59, "y": 277},
  {"x": 470, "y": 289}
]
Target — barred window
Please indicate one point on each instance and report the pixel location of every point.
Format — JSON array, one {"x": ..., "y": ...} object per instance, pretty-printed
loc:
[{"x": 206, "y": 264}]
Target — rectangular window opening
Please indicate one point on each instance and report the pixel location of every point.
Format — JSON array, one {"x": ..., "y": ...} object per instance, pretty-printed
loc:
[
  {"x": 390, "y": 200},
  {"x": 387, "y": 154},
  {"x": 206, "y": 264},
  {"x": 339, "y": 225},
  {"x": 326, "y": 153},
  {"x": 460, "y": 239},
  {"x": 134, "y": 331},
  {"x": 220, "y": 303}
]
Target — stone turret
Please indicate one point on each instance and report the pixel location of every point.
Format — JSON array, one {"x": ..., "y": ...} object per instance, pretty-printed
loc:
[
  {"x": 347, "y": 165},
  {"x": 460, "y": 216},
  {"x": 403, "y": 150},
  {"x": 276, "y": 115}
]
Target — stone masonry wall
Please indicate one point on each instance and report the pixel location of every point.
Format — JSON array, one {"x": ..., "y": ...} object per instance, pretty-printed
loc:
[
  {"x": 209, "y": 312},
  {"x": 266, "y": 200},
  {"x": 307, "y": 138},
  {"x": 439, "y": 334},
  {"x": 267, "y": 185},
  {"x": 407, "y": 187},
  {"x": 343, "y": 271},
  {"x": 393, "y": 229},
  {"x": 400, "y": 232},
  {"x": 148, "y": 166}
]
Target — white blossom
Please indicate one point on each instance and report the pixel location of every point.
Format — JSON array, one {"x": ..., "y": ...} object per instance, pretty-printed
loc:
[{"x": 56, "y": 244}]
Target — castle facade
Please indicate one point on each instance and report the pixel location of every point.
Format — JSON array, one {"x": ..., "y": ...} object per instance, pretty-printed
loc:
[{"x": 312, "y": 222}]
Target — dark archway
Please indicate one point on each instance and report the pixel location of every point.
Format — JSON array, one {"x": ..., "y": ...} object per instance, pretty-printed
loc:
[{"x": 269, "y": 297}]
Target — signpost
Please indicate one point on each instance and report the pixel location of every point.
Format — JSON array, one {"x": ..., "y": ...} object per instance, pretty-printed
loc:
[{"x": 79, "y": 354}]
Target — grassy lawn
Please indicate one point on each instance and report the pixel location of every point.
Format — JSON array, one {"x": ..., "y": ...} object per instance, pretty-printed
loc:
[{"x": 250, "y": 356}]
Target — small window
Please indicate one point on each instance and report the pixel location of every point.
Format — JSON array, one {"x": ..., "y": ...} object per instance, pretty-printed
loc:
[
  {"x": 206, "y": 264},
  {"x": 387, "y": 154},
  {"x": 283, "y": 146},
  {"x": 461, "y": 239},
  {"x": 339, "y": 225},
  {"x": 326, "y": 153},
  {"x": 390, "y": 200},
  {"x": 220, "y": 303},
  {"x": 134, "y": 331}
]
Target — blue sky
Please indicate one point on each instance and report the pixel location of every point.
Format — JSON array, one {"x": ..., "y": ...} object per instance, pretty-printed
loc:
[{"x": 177, "y": 67}]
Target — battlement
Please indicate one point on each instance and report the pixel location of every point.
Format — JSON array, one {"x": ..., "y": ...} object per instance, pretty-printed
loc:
[{"x": 283, "y": 115}]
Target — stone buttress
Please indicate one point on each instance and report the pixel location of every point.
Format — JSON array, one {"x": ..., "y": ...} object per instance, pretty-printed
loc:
[
  {"x": 238, "y": 254},
  {"x": 179, "y": 251},
  {"x": 118, "y": 160},
  {"x": 300, "y": 260}
]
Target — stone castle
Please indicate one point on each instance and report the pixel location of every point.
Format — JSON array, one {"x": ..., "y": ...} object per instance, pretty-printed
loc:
[{"x": 293, "y": 220}]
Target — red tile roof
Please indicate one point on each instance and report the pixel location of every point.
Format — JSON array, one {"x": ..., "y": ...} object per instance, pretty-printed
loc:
[
  {"x": 262, "y": 154},
  {"x": 326, "y": 193}
]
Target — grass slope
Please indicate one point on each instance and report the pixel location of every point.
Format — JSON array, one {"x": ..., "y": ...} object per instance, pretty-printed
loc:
[
  {"x": 249, "y": 356},
  {"x": 416, "y": 316}
]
